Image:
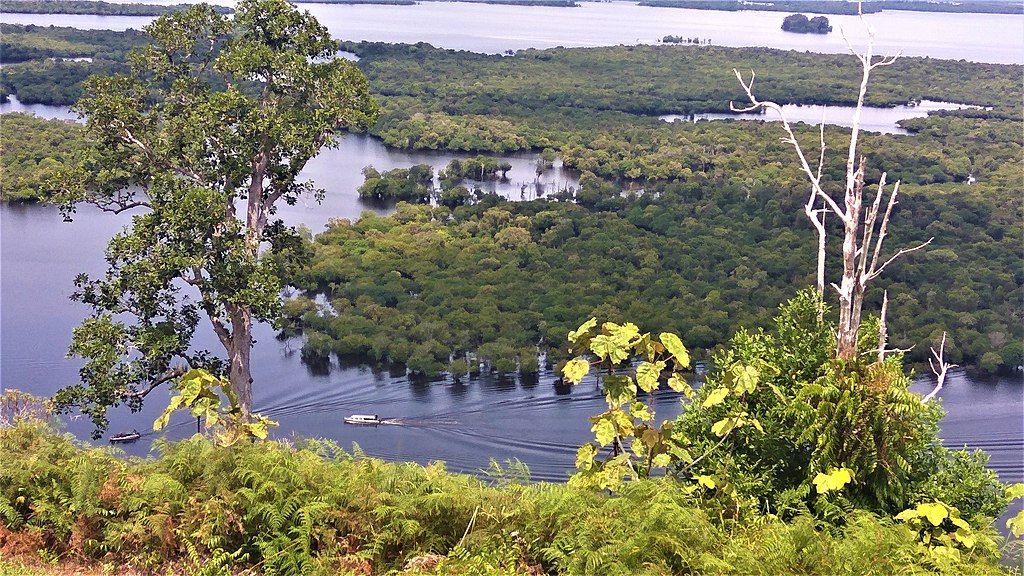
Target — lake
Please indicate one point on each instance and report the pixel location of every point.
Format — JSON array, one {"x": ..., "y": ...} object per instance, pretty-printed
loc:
[{"x": 492, "y": 28}]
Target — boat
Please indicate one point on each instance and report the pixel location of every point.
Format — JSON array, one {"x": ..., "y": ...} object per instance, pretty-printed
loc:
[
  {"x": 363, "y": 419},
  {"x": 125, "y": 437}
]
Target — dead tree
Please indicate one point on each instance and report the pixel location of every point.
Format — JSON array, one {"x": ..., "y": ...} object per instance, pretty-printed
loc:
[
  {"x": 863, "y": 231},
  {"x": 939, "y": 368}
]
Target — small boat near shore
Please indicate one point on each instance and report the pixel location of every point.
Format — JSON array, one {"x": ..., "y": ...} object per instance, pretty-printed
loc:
[
  {"x": 125, "y": 437},
  {"x": 365, "y": 419}
]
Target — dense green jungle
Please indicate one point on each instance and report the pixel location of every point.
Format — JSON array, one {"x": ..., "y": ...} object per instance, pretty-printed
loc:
[
  {"x": 708, "y": 236},
  {"x": 93, "y": 7},
  {"x": 787, "y": 460}
]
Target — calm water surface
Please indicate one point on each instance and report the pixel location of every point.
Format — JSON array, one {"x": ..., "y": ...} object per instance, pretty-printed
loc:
[
  {"x": 491, "y": 28},
  {"x": 882, "y": 120}
]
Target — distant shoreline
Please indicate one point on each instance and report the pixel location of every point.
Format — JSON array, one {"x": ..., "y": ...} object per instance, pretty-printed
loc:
[
  {"x": 94, "y": 8},
  {"x": 843, "y": 7}
]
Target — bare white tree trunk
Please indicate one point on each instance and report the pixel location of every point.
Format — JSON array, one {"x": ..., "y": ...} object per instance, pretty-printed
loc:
[
  {"x": 939, "y": 368},
  {"x": 863, "y": 232}
]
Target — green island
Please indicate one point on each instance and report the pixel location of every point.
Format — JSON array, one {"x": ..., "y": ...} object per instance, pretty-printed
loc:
[
  {"x": 97, "y": 7},
  {"x": 802, "y": 452},
  {"x": 802, "y": 25}
]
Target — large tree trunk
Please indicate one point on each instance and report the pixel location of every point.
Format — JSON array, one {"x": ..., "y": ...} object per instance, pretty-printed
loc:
[
  {"x": 239, "y": 352},
  {"x": 851, "y": 293}
]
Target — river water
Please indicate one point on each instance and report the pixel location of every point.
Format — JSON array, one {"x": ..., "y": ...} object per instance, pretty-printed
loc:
[{"x": 492, "y": 28}]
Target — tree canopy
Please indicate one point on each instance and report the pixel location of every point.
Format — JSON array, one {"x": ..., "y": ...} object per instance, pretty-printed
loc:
[{"x": 204, "y": 135}]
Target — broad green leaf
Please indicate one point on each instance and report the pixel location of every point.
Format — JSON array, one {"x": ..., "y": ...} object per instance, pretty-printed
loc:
[
  {"x": 706, "y": 481},
  {"x": 623, "y": 334},
  {"x": 1015, "y": 491},
  {"x": 258, "y": 429},
  {"x": 604, "y": 431},
  {"x": 967, "y": 540},
  {"x": 576, "y": 369},
  {"x": 607, "y": 348},
  {"x": 585, "y": 456},
  {"x": 836, "y": 479},
  {"x": 681, "y": 453},
  {"x": 619, "y": 390},
  {"x": 583, "y": 329},
  {"x": 647, "y": 375},
  {"x": 935, "y": 512},
  {"x": 661, "y": 460},
  {"x": 756, "y": 424},
  {"x": 723, "y": 426},
  {"x": 1016, "y": 524},
  {"x": 638, "y": 447},
  {"x": 675, "y": 347},
  {"x": 715, "y": 397},
  {"x": 677, "y": 383},
  {"x": 744, "y": 378},
  {"x": 639, "y": 410},
  {"x": 959, "y": 522},
  {"x": 908, "y": 514},
  {"x": 622, "y": 421}
]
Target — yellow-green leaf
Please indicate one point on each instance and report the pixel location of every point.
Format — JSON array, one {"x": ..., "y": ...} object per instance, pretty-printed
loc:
[
  {"x": 706, "y": 481},
  {"x": 1016, "y": 524},
  {"x": 677, "y": 383},
  {"x": 585, "y": 456},
  {"x": 744, "y": 378},
  {"x": 723, "y": 426},
  {"x": 623, "y": 334},
  {"x": 1015, "y": 491},
  {"x": 661, "y": 460},
  {"x": 576, "y": 369},
  {"x": 967, "y": 540},
  {"x": 715, "y": 397},
  {"x": 647, "y": 375},
  {"x": 756, "y": 424},
  {"x": 935, "y": 512},
  {"x": 675, "y": 347},
  {"x": 834, "y": 480},
  {"x": 604, "y": 431},
  {"x": 639, "y": 410},
  {"x": 583, "y": 329},
  {"x": 607, "y": 348},
  {"x": 908, "y": 514}
]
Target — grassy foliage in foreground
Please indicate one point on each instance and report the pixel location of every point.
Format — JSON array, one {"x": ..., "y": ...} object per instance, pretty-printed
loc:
[{"x": 313, "y": 509}]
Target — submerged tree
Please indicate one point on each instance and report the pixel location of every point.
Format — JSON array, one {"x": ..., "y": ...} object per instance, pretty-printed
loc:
[
  {"x": 863, "y": 231},
  {"x": 204, "y": 136}
]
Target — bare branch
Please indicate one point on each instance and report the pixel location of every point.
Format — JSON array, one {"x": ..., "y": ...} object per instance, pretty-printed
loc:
[
  {"x": 876, "y": 273},
  {"x": 939, "y": 368},
  {"x": 169, "y": 375},
  {"x": 882, "y": 328}
]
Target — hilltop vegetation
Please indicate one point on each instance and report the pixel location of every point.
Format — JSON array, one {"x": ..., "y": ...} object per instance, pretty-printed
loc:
[{"x": 312, "y": 508}]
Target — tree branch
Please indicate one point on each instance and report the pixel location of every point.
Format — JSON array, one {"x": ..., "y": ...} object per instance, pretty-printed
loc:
[
  {"x": 939, "y": 367},
  {"x": 169, "y": 375},
  {"x": 873, "y": 275}
]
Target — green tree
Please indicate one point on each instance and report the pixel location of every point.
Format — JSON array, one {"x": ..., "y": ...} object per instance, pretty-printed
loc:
[{"x": 204, "y": 135}]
